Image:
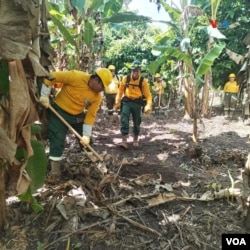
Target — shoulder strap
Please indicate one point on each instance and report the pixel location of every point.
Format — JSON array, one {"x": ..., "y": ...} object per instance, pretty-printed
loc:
[
  {"x": 118, "y": 78},
  {"x": 140, "y": 83},
  {"x": 127, "y": 81}
]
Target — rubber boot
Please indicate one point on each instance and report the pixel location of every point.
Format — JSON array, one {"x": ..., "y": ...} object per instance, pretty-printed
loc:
[
  {"x": 124, "y": 143},
  {"x": 135, "y": 142},
  {"x": 55, "y": 172}
]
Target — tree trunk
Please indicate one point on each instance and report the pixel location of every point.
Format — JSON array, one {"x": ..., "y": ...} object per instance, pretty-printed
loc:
[
  {"x": 245, "y": 192},
  {"x": 3, "y": 220},
  {"x": 187, "y": 102},
  {"x": 205, "y": 94},
  {"x": 189, "y": 91}
]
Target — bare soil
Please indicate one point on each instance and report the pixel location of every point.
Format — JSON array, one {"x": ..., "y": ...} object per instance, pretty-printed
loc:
[{"x": 162, "y": 195}]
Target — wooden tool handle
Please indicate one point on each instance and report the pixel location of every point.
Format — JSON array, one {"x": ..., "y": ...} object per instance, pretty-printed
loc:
[{"x": 74, "y": 131}]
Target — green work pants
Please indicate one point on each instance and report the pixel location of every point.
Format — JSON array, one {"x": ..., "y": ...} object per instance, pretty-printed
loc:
[
  {"x": 110, "y": 102},
  {"x": 134, "y": 109},
  {"x": 230, "y": 101},
  {"x": 57, "y": 130}
]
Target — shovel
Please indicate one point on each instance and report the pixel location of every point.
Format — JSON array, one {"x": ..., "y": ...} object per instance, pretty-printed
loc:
[
  {"x": 76, "y": 134},
  {"x": 157, "y": 109}
]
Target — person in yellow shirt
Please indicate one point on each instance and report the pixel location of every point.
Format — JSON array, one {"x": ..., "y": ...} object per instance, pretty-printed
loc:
[
  {"x": 231, "y": 89},
  {"x": 158, "y": 88},
  {"x": 133, "y": 88},
  {"x": 77, "y": 102},
  {"x": 111, "y": 90}
]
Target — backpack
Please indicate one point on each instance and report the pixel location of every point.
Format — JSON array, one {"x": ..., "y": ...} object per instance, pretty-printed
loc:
[
  {"x": 142, "y": 100},
  {"x": 118, "y": 78}
]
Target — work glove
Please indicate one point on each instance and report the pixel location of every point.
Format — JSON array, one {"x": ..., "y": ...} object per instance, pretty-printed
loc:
[
  {"x": 44, "y": 100},
  {"x": 85, "y": 140},
  {"x": 148, "y": 109},
  {"x": 117, "y": 106},
  {"x": 156, "y": 89}
]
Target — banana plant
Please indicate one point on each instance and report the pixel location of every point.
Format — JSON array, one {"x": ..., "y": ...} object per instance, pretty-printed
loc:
[
  {"x": 20, "y": 68},
  {"x": 79, "y": 26},
  {"x": 191, "y": 72},
  {"x": 204, "y": 66}
]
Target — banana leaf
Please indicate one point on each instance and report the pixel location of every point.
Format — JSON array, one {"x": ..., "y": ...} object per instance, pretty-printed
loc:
[
  {"x": 126, "y": 17},
  {"x": 176, "y": 53},
  {"x": 37, "y": 165},
  {"x": 59, "y": 24},
  {"x": 36, "y": 168},
  {"x": 15, "y": 30},
  {"x": 208, "y": 60},
  {"x": 88, "y": 33},
  {"x": 174, "y": 13},
  {"x": 78, "y": 4},
  {"x": 30, "y": 199},
  {"x": 155, "y": 65},
  {"x": 112, "y": 6}
]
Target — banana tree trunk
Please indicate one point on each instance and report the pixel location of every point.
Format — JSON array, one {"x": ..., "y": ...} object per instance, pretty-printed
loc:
[
  {"x": 3, "y": 221},
  {"x": 188, "y": 105},
  {"x": 22, "y": 50},
  {"x": 205, "y": 94}
]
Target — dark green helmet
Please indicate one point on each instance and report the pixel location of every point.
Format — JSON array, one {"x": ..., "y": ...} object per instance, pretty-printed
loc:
[{"x": 136, "y": 65}]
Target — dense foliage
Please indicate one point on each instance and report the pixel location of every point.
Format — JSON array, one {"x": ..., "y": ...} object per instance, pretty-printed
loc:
[{"x": 126, "y": 42}]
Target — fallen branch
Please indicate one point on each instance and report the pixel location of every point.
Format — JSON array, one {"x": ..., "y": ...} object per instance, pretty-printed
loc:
[
  {"x": 76, "y": 232},
  {"x": 170, "y": 242},
  {"x": 134, "y": 223}
]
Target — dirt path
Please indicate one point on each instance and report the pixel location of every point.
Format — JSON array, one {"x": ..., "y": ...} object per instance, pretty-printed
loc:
[{"x": 162, "y": 195}]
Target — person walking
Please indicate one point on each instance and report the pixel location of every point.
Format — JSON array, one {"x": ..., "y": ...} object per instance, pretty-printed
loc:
[
  {"x": 112, "y": 90},
  {"x": 159, "y": 94},
  {"x": 133, "y": 89},
  {"x": 231, "y": 89},
  {"x": 77, "y": 102}
]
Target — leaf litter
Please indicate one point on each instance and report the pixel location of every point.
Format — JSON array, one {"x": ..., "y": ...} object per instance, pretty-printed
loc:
[{"x": 167, "y": 194}]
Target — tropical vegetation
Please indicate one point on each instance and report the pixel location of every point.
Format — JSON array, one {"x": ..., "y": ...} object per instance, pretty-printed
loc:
[{"x": 203, "y": 43}]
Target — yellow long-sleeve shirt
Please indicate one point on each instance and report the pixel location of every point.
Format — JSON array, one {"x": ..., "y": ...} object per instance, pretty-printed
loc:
[
  {"x": 133, "y": 90},
  {"x": 113, "y": 86},
  {"x": 159, "y": 87},
  {"x": 75, "y": 95},
  {"x": 231, "y": 87}
]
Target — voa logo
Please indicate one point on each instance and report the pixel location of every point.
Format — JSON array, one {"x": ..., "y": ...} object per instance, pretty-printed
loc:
[{"x": 236, "y": 241}]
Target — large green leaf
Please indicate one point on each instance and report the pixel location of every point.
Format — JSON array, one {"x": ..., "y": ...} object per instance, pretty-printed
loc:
[
  {"x": 112, "y": 6},
  {"x": 37, "y": 165},
  {"x": 126, "y": 17},
  {"x": 154, "y": 66},
  {"x": 35, "y": 129},
  {"x": 63, "y": 30},
  {"x": 214, "y": 7},
  {"x": 95, "y": 5},
  {"x": 59, "y": 24},
  {"x": 36, "y": 168},
  {"x": 209, "y": 59},
  {"x": 29, "y": 198},
  {"x": 88, "y": 33},
  {"x": 175, "y": 53},
  {"x": 78, "y": 4},
  {"x": 174, "y": 13}
]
